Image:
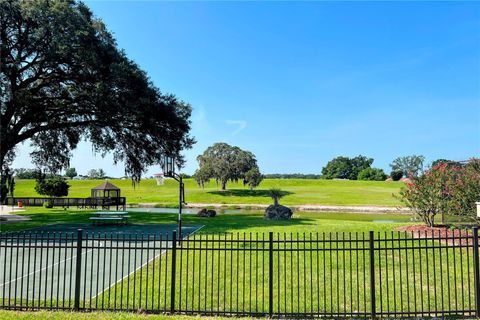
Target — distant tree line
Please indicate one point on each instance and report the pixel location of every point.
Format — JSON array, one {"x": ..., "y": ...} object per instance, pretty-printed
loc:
[
  {"x": 360, "y": 168},
  {"x": 292, "y": 176},
  {"x": 24, "y": 173}
]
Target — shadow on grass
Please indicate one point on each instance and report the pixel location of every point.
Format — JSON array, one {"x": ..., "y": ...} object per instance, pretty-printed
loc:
[
  {"x": 239, "y": 222},
  {"x": 246, "y": 193},
  {"x": 221, "y": 223}
]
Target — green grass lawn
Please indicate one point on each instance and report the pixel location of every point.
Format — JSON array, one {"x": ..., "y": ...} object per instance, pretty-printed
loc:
[
  {"x": 250, "y": 221},
  {"x": 203, "y": 274},
  {"x": 62, "y": 315},
  {"x": 300, "y": 191}
]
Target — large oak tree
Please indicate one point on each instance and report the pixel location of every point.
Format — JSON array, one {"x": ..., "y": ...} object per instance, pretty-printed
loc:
[
  {"x": 63, "y": 79},
  {"x": 224, "y": 163}
]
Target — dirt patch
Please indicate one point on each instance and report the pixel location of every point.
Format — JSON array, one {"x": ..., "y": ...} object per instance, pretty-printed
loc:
[{"x": 442, "y": 234}]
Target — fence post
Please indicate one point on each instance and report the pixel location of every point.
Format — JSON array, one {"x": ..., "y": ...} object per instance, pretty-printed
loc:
[
  {"x": 78, "y": 270},
  {"x": 174, "y": 269},
  {"x": 476, "y": 275},
  {"x": 270, "y": 273},
  {"x": 372, "y": 274}
]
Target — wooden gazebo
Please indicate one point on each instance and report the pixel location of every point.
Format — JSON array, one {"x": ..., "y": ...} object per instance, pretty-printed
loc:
[{"x": 106, "y": 190}]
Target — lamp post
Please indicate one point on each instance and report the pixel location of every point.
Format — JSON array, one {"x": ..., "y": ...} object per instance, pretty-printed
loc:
[{"x": 168, "y": 167}]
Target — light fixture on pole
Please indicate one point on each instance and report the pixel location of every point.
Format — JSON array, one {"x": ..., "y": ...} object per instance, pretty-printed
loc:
[{"x": 168, "y": 167}]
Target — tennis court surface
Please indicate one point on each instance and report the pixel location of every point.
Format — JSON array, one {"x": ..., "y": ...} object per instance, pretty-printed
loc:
[{"x": 40, "y": 264}]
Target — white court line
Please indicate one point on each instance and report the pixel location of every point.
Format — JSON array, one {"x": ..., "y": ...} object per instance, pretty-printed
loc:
[
  {"x": 44, "y": 268},
  {"x": 143, "y": 265}
]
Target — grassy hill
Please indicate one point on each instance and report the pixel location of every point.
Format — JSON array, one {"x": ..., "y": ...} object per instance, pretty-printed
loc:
[{"x": 300, "y": 191}]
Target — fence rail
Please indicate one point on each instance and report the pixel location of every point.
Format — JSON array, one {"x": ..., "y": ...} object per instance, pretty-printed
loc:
[
  {"x": 84, "y": 203},
  {"x": 304, "y": 275}
]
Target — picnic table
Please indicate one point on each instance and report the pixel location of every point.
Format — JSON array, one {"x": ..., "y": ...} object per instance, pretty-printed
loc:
[{"x": 110, "y": 217}]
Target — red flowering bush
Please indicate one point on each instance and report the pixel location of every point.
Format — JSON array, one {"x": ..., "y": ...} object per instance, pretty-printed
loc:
[{"x": 444, "y": 189}]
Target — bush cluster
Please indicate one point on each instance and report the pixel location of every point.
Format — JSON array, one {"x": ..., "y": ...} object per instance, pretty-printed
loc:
[
  {"x": 396, "y": 175},
  {"x": 372, "y": 174},
  {"x": 444, "y": 189}
]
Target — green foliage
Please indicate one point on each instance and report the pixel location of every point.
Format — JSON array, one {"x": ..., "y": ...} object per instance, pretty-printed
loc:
[
  {"x": 445, "y": 161},
  {"x": 396, "y": 175},
  {"x": 71, "y": 173},
  {"x": 338, "y": 168},
  {"x": 96, "y": 174},
  {"x": 23, "y": 173},
  {"x": 444, "y": 189},
  {"x": 202, "y": 175},
  {"x": 424, "y": 195},
  {"x": 48, "y": 204},
  {"x": 409, "y": 165},
  {"x": 7, "y": 185},
  {"x": 224, "y": 163},
  {"x": 276, "y": 194},
  {"x": 346, "y": 168},
  {"x": 372, "y": 174},
  {"x": 464, "y": 189},
  {"x": 63, "y": 79},
  {"x": 52, "y": 187},
  {"x": 253, "y": 177}
]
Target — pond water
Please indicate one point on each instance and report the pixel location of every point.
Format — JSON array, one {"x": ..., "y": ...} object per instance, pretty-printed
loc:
[
  {"x": 385, "y": 221},
  {"x": 188, "y": 210},
  {"x": 373, "y": 217}
]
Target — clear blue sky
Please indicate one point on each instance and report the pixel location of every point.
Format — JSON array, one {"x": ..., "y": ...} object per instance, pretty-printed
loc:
[{"x": 300, "y": 83}]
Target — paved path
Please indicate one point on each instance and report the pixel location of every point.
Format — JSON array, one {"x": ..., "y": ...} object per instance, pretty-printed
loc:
[{"x": 7, "y": 214}]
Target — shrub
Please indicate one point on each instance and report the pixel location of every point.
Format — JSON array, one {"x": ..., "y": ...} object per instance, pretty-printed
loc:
[
  {"x": 276, "y": 194},
  {"x": 372, "y": 174},
  {"x": 464, "y": 189},
  {"x": 444, "y": 189},
  {"x": 52, "y": 187},
  {"x": 424, "y": 195},
  {"x": 48, "y": 204},
  {"x": 396, "y": 175}
]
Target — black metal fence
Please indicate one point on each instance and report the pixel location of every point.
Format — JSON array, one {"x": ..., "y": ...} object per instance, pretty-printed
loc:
[
  {"x": 303, "y": 275},
  {"x": 81, "y": 203}
]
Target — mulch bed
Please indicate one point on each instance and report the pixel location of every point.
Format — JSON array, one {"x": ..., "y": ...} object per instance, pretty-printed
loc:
[{"x": 444, "y": 235}]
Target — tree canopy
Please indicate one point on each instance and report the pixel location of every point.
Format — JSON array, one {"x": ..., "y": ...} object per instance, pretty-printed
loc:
[
  {"x": 96, "y": 174},
  {"x": 253, "y": 178},
  {"x": 71, "y": 173},
  {"x": 409, "y": 165},
  {"x": 372, "y": 174},
  {"x": 346, "y": 168},
  {"x": 63, "y": 79},
  {"x": 52, "y": 187},
  {"x": 224, "y": 163}
]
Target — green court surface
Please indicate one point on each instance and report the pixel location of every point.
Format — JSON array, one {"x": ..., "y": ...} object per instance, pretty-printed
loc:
[{"x": 40, "y": 263}]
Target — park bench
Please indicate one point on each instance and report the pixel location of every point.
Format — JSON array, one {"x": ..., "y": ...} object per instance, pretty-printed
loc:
[{"x": 110, "y": 216}]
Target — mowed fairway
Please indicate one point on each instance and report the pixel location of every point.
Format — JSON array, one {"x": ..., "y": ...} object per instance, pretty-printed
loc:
[{"x": 299, "y": 192}]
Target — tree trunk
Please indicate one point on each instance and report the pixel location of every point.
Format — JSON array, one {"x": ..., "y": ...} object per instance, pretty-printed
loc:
[
  {"x": 275, "y": 201},
  {"x": 224, "y": 185}
]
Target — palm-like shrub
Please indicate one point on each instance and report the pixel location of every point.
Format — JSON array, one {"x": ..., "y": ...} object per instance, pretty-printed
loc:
[{"x": 276, "y": 194}]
